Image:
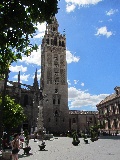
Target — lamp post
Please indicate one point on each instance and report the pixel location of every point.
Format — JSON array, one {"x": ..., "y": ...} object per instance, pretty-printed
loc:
[
  {"x": 40, "y": 112},
  {"x": 40, "y": 125}
]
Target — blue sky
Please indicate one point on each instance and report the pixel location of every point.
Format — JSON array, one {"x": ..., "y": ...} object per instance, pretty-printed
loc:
[{"x": 92, "y": 29}]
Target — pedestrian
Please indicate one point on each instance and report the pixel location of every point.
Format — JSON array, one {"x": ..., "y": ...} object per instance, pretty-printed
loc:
[
  {"x": 15, "y": 147},
  {"x": 5, "y": 144},
  {"x": 35, "y": 136},
  {"x": 22, "y": 138}
]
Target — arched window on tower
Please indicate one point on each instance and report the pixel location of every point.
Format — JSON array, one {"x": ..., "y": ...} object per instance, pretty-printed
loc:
[
  {"x": 56, "y": 113},
  {"x": 53, "y": 28},
  {"x": 51, "y": 41},
  {"x": 63, "y": 44},
  {"x": 53, "y": 101},
  {"x": 55, "y": 41},
  {"x": 47, "y": 40},
  {"x": 58, "y": 101},
  {"x": 59, "y": 43},
  {"x": 25, "y": 100}
]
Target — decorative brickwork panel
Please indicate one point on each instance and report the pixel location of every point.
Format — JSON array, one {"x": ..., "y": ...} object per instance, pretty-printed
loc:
[
  {"x": 49, "y": 59},
  {"x": 56, "y": 70},
  {"x": 49, "y": 75},
  {"x": 62, "y": 76},
  {"x": 61, "y": 61}
]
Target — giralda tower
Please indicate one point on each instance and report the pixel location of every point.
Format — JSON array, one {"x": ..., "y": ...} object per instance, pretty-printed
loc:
[{"x": 54, "y": 79}]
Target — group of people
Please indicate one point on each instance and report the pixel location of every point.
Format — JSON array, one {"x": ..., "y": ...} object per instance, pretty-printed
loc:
[{"x": 15, "y": 143}]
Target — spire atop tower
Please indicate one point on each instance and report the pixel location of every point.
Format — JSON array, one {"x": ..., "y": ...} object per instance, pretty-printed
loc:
[
  {"x": 19, "y": 77},
  {"x": 52, "y": 26},
  {"x": 35, "y": 84}
]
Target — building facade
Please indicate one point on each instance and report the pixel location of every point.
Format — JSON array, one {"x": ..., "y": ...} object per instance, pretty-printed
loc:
[
  {"x": 109, "y": 112},
  {"x": 82, "y": 120}
]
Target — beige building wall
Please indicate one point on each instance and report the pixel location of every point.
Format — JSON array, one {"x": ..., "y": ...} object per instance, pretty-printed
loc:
[
  {"x": 82, "y": 120},
  {"x": 109, "y": 112}
]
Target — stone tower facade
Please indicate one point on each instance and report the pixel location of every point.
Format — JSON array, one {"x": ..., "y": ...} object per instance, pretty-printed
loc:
[{"x": 54, "y": 79}]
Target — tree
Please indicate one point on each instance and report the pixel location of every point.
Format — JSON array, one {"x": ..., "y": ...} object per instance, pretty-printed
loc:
[
  {"x": 13, "y": 114},
  {"x": 17, "y": 26}
]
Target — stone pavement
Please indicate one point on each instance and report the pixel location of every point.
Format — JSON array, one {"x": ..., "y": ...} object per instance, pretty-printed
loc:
[{"x": 61, "y": 148}]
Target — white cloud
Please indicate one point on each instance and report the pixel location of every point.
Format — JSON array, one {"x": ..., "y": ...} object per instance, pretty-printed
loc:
[
  {"x": 72, "y": 4},
  {"x": 71, "y": 58},
  {"x": 9, "y": 84},
  {"x": 76, "y": 81},
  {"x": 82, "y": 84},
  {"x": 34, "y": 58},
  {"x": 39, "y": 71},
  {"x": 103, "y": 31},
  {"x": 70, "y": 7},
  {"x": 68, "y": 81},
  {"x": 78, "y": 98},
  {"x": 100, "y": 21},
  {"x": 18, "y": 68},
  {"x": 109, "y": 20},
  {"x": 111, "y": 11},
  {"x": 22, "y": 77},
  {"x": 41, "y": 30}
]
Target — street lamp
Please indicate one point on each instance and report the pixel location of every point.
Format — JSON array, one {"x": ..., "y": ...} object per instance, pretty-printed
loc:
[{"x": 40, "y": 112}]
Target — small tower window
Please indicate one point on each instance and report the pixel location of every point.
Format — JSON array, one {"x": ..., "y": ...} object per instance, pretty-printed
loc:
[
  {"x": 53, "y": 101},
  {"x": 47, "y": 40},
  {"x": 51, "y": 41},
  {"x": 53, "y": 28},
  {"x": 49, "y": 120},
  {"x": 58, "y": 101},
  {"x": 55, "y": 41},
  {"x": 59, "y": 43},
  {"x": 56, "y": 113},
  {"x": 56, "y": 90},
  {"x": 63, "y": 44}
]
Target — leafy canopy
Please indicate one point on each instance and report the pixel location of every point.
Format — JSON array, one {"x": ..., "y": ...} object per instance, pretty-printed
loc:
[
  {"x": 17, "y": 26},
  {"x": 13, "y": 114}
]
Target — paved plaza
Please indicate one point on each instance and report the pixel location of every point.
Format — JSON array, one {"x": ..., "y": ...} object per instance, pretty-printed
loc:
[{"x": 61, "y": 148}]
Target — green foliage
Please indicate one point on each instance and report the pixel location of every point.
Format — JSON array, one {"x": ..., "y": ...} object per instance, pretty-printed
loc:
[
  {"x": 94, "y": 131},
  {"x": 75, "y": 136},
  {"x": 17, "y": 27},
  {"x": 13, "y": 114}
]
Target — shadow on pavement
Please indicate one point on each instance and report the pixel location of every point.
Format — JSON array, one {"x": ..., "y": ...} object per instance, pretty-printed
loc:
[
  {"x": 110, "y": 137},
  {"x": 24, "y": 155},
  {"x": 43, "y": 150}
]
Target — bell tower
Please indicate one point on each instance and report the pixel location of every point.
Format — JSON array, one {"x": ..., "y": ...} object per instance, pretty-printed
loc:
[{"x": 54, "y": 79}]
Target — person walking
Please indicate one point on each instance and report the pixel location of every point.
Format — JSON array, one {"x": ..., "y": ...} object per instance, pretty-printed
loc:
[
  {"x": 35, "y": 136},
  {"x": 22, "y": 139},
  {"x": 15, "y": 147}
]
